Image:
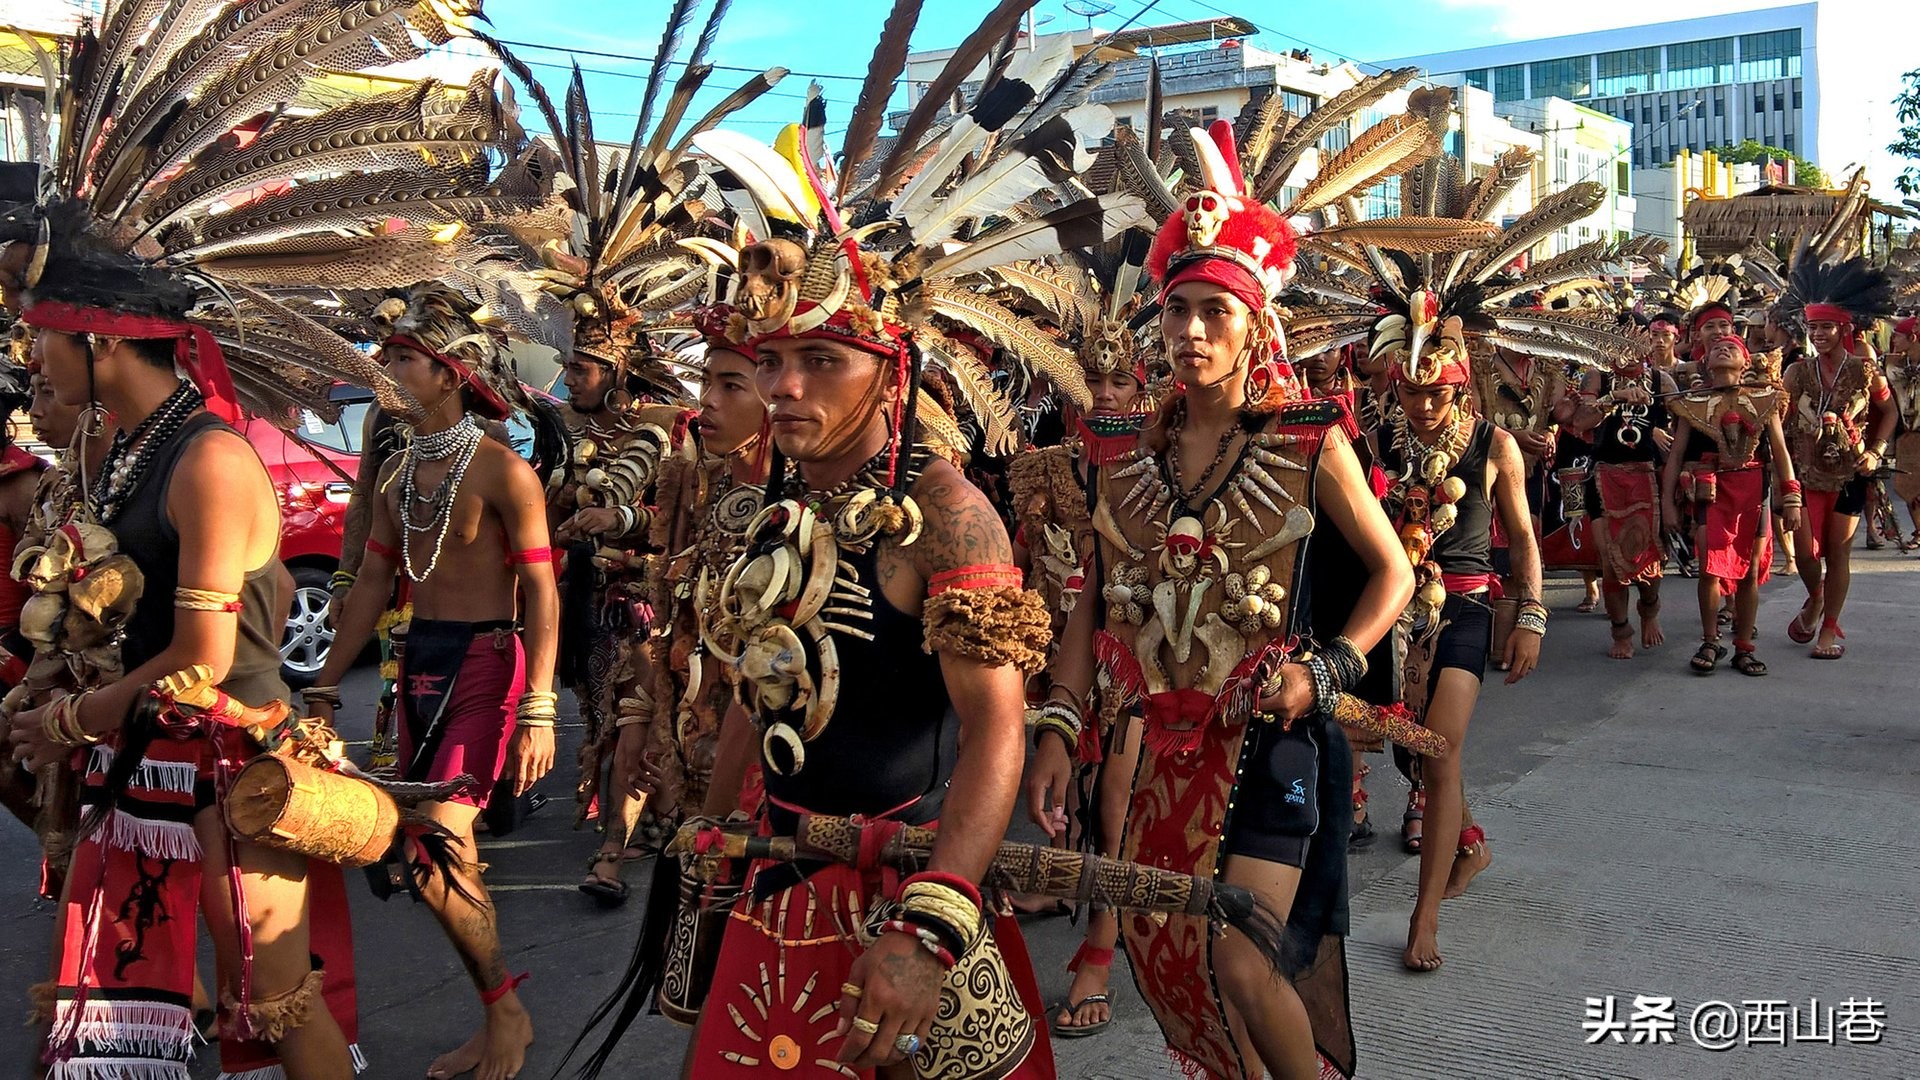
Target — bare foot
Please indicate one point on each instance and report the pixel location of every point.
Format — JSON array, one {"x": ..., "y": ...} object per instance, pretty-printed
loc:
[
  {"x": 1650, "y": 634},
  {"x": 1622, "y": 647},
  {"x": 1423, "y": 945},
  {"x": 459, "y": 1062},
  {"x": 509, "y": 1032},
  {"x": 1467, "y": 865}
]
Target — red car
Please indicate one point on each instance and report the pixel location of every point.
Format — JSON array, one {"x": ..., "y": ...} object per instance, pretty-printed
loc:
[{"x": 313, "y": 470}]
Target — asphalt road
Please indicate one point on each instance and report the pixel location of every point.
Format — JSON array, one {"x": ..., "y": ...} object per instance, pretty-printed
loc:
[{"x": 1653, "y": 833}]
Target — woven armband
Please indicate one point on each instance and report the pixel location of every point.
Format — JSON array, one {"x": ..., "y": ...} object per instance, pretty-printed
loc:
[{"x": 998, "y": 625}]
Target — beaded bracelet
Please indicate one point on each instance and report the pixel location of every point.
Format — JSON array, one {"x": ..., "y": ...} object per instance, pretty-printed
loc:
[
  {"x": 1532, "y": 622},
  {"x": 927, "y": 939},
  {"x": 1060, "y": 718},
  {"x": 1326, "y": 693}
]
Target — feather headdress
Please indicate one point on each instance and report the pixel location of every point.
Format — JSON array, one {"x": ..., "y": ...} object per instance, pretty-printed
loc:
[
  {"x": 897, "y": 260},
  {"x": 181, "y": 144},
  {"x": 1825, "y": 286},
  {"x": 1441, "y": 272},
  {"x": 638, "y": 235}
]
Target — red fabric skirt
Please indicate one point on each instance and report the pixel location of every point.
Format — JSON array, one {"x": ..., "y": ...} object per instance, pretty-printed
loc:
[
  {"x": 125, "y": 953},
  {"x": 1630, "y": 523},
  {"x": 1737, "y": 538}
]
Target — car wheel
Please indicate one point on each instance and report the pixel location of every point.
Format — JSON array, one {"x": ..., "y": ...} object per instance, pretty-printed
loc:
[{"x": 309, "y": 636}]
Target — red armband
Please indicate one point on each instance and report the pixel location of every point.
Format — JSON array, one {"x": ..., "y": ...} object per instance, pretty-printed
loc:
[
  {"x": 531, "y": 555},
  {"x": 1880, "y": 393},
  {"x": 984, "y": 576},
  {"x": 375, "y": 547},
  {"x": 1790, "y": 487}
]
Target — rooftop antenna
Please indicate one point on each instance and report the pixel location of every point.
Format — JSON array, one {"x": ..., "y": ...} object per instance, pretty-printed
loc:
[{"x": 1088, "y": 9}]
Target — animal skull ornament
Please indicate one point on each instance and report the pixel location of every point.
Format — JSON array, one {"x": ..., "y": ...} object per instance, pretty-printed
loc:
[
  {"x": 1206, "y": 215},
  {"x": 770, "y": 283}
]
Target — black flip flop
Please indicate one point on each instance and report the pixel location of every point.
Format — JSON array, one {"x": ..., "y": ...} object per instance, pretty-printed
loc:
[
  {"x": 1081, "y": 1031},
  {"x": 608, "y": 894}
]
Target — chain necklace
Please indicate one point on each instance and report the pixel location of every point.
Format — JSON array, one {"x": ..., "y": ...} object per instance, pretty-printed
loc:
[
  {"x": 120, "y": 474},
  {"x": 1632, "y": 428},
  {"x": 1188, "y": 496},
  {"x": 457, "y": 442}
]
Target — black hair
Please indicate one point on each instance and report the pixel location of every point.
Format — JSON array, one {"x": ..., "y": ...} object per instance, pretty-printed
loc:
[{"x": 84, "y": 271}]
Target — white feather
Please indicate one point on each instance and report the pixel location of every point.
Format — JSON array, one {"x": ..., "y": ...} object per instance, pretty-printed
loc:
[
  {"x": 1001, "y": 183},
  {"x": 1036, "y": 69},
  {"x": 1215, "y": 174},
  {"x": 761, "y": 169}
]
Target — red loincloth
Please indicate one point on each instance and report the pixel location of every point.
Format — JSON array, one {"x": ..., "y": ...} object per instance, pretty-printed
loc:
[
  {"x": 1630, "y": 551},
  {"x": 1736, "y": 538}
]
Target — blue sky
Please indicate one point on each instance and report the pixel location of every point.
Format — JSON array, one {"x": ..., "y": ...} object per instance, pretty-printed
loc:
[{"x": 835, "y": 38}]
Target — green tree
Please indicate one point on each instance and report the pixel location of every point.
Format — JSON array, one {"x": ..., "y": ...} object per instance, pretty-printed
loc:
[
  {"x": 1805, "y": 173},
  {"x": 1906, "y": 109}
]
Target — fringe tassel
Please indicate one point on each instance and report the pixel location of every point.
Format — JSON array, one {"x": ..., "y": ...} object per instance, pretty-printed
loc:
[
  {"x": 152, "y": 1029},
  {"x": 173, "y": 777},
  {"x": 154, "y": 839},
  {"x": 1119, "y": 665},
  {"x": 277, "y": 1072},
  {"x": 116, "y": 1069},
  {"x": 1192, "y": 1068},
  {"x": 1162, "y": 740}
]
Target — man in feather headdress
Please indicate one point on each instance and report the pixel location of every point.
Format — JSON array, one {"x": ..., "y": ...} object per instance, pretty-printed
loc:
[
  {"x": 189, "y": 587},
  {"x": 1839, "y": 422},
  {"x": 465, "y": 518},
  {"x": 600, "y": 510},
  {"x": 1204, "y": 527}
]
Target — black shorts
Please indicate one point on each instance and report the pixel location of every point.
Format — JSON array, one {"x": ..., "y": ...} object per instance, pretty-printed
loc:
[
  {"x": 1852, "y": 500},
  {"x": 1276, "y": 810},
  {"x": 1466, "y": 637}
]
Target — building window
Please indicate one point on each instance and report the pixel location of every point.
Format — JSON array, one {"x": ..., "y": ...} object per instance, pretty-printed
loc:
[
  {"x": 1510, "y": 82},
  {"x": 1786, "y": 142},
  {"x": 1699, "y": 63},
  {"x": 1477, "y": 78},
  {"x": 1629, "y": 71},
  {"x": 1666, "y": 110},
  {"x": 1570, "y": 78},
  {"x": 1759, "y": 101},
  {"x": 1295, "y": 103},
  {"x": 1209, "y": 114},
  {"x": 1779, "y": 101},
  {"x": 1796, "y": 98},
  {"x": 1124, "y": 121},
  {"x": 1719, "y": 102},
  {"x": 1772, "y": 55},
  {"x": 1623, "y": 178},
  {"x": 1560, "y": 167}
]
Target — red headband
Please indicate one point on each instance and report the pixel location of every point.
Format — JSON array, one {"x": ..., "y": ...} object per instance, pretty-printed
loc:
[
  {"x": 195, "y": 350},
  {"x": 491, "y": 404},
  {"x": 1738, "y": 343},
  {"x": 1832, "y": 313},
  {"x": 1909, "y": 326},
  {"x": 1708, "y": 312},
  {"x": 1220, "y": 271}
]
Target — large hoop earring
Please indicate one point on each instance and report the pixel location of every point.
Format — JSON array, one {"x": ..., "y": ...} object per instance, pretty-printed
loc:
[
  {"x": 93, "y": 422},
  {"x": 619, "y": 401}
]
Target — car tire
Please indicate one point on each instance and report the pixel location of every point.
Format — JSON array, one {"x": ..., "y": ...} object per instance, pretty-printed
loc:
[{"x": 308, "y": 638}]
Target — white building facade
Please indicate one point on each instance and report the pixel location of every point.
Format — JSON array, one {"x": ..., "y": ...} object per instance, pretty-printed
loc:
[{"x": 1696, "y": 84}]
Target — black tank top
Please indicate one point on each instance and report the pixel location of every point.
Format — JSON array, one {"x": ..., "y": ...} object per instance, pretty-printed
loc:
[
  {"x": 1467, "y": 547},
  {"x": 893, "y": 737},
  {"x": 1607, "y": 444},
  {"x": 149, "y": 538}
]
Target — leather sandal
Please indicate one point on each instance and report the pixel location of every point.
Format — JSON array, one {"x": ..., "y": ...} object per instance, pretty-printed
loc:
[
  {"x": 1416, "y": 811},
  {"x": 1708, "y": 657},
  {"x": 608, "y": 894},
  {"x": 1745, "y": 662}
]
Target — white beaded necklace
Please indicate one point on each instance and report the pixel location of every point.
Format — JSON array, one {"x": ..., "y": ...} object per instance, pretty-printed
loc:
[{"x": 458, "y": 442}]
